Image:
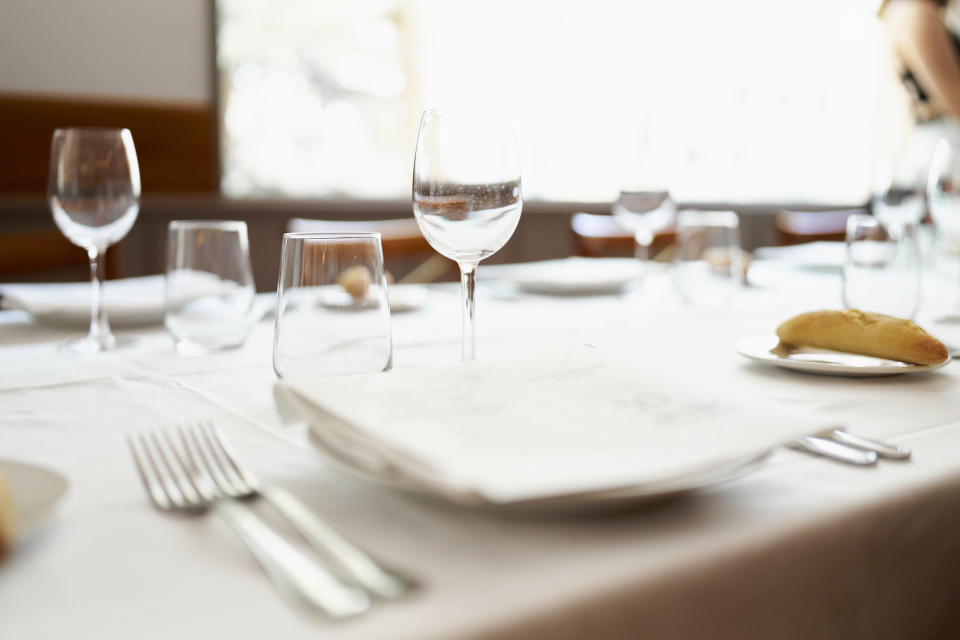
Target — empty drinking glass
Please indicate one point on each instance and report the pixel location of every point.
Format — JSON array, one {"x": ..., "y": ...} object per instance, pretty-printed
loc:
[
  {"x": 209, "y": 285},
  {"x": 94, "y": 193},
  {"x": 332, "y": 312},
  {"x": 708, "y": 265},
  {"x": 882, "y": 269}
]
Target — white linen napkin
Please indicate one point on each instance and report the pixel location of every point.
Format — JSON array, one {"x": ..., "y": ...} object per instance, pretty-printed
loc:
[{"x": 548, "y": 422}]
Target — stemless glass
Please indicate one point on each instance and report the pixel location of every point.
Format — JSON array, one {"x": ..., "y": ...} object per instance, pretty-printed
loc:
[
  {"x": 209, "y": 285},
  {"x": 332, "y": 312},
  {"x": 943, "y": 193},
  {"x": 708, "y": 265},
  {"x": 94, "y": 193},
  {"x": 466, "y": 194},
  {"x": 882, "y": 270}
]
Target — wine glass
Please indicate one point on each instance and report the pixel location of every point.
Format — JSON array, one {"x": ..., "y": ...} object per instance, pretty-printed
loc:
[
  {"x": 94, "y": 192},
  {"x": 898, "y": 198},
  {"x": 466, "y": 194},
  {"x": 943, "y": 194},
  {"x": 645, "y": 214}
]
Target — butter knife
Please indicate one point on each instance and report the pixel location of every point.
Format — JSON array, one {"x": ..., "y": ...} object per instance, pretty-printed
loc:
[
  {"x": 883, "y": 449},
  {"x": 834, "y": 450}
]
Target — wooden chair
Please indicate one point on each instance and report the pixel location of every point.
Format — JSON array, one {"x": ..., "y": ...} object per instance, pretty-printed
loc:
[
  {"x": 598, "y": 235},
  {"x": 798, "y": 227},
  {"x": 406, "y": 253}
]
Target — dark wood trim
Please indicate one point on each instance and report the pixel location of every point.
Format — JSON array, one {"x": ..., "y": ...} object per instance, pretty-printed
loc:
[{"x": 175, "y": 141}]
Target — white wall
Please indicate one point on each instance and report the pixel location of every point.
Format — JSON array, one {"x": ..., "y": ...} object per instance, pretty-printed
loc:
[{"x": 154, "y": 49}]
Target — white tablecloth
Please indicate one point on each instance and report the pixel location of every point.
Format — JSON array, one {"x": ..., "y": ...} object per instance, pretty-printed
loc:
[{"x": 803, "y": 548}]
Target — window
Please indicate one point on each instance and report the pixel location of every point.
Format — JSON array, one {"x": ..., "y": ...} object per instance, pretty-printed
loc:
[{"x": 743, "y": 101}]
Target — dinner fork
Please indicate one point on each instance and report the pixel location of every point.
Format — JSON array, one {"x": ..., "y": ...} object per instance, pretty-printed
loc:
[
  {"x": 179, "y": 479},
  {"x": 348, "y": 561}
]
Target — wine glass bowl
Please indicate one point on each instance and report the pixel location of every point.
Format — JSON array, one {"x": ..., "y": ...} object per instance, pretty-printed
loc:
[
  {"x": 94, "y": 195},
  {"x": 943, "y": 196},
  {"x": 644, "y": 214},
  {"x": 466, "y": 193}
]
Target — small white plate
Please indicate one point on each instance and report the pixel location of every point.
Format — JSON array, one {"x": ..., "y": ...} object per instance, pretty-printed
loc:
[
  {"x": 406, "y": 297},
  {"x": 825, "y": 362},
  {"x": 39, "y": 494},
  {"x": 401, "y": 297},
  {"x": 574, "y": 276}
]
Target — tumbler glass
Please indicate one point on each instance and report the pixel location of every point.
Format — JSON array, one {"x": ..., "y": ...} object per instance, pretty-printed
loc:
[
  {"x": 332, "y": 315},
  {"x": 209, "y": 285}
]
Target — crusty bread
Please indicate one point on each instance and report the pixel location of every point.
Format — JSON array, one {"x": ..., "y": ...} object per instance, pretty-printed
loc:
[
  {"x": 7, "y": 519},
  {"x": 870, "y": 334}
]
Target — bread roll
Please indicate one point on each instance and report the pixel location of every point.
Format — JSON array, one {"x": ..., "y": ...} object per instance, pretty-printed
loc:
[
  {"x": 865, "y": 333},
  {"x": 7, "y": 520}
]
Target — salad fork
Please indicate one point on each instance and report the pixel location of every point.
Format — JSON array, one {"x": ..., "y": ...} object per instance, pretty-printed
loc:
[
  {"x": 349, "y": 562},
  {"x": 175, "y": 484}
]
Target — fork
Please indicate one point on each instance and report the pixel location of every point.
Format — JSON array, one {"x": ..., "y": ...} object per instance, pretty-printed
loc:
[
  {"x": 349, "y": 562},
  {"x": 176, "y": 484}
]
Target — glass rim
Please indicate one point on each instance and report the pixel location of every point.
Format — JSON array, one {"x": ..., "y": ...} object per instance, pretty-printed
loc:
[
  {"x": 91, "y": 130},
  {"x": 220, "y": 225},
  {"x": 331, "y": 235}
]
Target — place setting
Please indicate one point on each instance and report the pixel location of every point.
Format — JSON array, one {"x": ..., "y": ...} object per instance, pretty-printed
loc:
[{"x": 359, "y": 327}]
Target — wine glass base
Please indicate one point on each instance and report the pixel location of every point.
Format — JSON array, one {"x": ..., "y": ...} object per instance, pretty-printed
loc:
[{"x": 89, "y": 345}]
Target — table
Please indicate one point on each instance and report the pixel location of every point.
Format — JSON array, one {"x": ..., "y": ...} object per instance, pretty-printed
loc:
[{"x": 803, "y": 548}]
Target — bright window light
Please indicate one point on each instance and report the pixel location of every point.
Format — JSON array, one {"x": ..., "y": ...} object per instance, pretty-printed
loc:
[{"x": 741, "y": 101}]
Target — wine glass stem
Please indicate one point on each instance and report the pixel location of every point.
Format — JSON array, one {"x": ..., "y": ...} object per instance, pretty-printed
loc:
[
  {"x": 468, "y": 282},
  {"x": 99, "y": 328},
  {"x": 642, "y": 250}
]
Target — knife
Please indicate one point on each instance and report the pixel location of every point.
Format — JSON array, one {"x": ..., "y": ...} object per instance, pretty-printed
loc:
[
  {"x": 834, "y": 450},
  {"x": 883, "y": 449}
]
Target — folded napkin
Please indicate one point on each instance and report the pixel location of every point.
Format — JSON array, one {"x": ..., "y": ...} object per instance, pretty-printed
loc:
[
  {"x": 130, "y": 301},
  {"x": 547, "y": 423}
]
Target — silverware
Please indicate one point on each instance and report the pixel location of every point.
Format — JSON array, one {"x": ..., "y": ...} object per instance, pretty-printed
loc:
[
  {"x": 348, "y": 561},
  {"x": 834, "y": 450},
  {"x": 882, "y": 449},
  {"x": 189, "y": 486}
]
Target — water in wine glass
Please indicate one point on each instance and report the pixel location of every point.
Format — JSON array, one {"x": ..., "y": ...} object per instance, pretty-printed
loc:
[
  {"x": 94, "y": 195},
  {"x": 467, "y": 223}
]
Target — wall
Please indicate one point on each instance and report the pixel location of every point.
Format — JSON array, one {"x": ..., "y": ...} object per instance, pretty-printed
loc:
[{"x": 145, "y": 49}]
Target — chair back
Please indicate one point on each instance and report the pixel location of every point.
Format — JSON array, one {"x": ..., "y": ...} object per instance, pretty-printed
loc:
[
  {"x": 601, "y": 236},
  {"x": 798, "y": 227}
]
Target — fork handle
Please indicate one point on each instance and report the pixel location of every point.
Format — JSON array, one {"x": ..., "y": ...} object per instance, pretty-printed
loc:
[
  {"x": 351, "y": 561},
  {"x": 292, "y": 572}
]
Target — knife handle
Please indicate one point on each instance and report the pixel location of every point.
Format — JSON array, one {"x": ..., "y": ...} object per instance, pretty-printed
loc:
[
  {"x": 835, "y": 450},
  {"x": 883, "y": 449}
]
